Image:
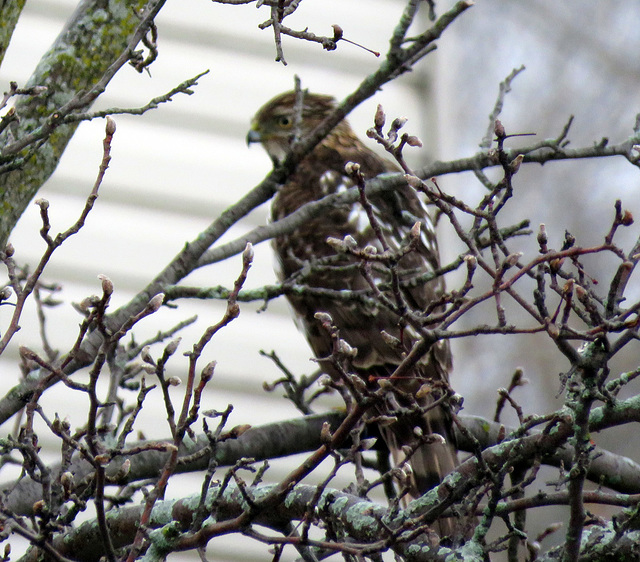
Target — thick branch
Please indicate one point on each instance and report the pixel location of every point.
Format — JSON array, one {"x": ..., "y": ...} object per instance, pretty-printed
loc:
[
  {"x": 289, "y": 437},
  {"x": 81, "y": 56},
  {"x": 360, "y": 519},
  {"x": 539, "y": 153},
  {"x": 360, "y": 516}
]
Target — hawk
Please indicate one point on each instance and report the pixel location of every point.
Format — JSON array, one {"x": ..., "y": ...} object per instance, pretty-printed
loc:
[{"x": 365, "y": 327}]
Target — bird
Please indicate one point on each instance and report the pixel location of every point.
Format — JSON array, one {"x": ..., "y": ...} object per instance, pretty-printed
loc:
[{"x": 377, "y": 336}]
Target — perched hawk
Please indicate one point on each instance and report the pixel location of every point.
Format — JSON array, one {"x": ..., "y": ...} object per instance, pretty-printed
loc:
[{"x": 323, "y": 172}]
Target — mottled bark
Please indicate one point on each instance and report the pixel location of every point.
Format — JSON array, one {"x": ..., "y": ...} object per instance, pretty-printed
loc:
[
  {"x": 94, "y": 37},
  {"x": 9, "y": 14}
]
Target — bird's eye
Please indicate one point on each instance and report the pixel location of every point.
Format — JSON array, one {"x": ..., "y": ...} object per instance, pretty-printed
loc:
[{"x": 284, "y": 121}]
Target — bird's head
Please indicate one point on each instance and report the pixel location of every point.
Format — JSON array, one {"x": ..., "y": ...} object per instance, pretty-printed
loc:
[{"x": 273, "y": 125}]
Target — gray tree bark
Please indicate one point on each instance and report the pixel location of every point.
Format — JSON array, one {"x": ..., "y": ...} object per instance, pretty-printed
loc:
[{"x": 93, "y": 39}]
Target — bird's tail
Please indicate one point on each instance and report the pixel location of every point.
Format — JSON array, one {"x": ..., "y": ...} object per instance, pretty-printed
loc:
[{"x": 429, "y": 463}]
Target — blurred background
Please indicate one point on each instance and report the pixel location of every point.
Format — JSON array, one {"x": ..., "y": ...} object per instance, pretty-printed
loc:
[{"x": 175, "y": 169}]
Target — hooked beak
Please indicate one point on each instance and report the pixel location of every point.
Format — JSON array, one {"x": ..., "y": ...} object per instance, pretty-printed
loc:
[{"x": 253, "y": 136}]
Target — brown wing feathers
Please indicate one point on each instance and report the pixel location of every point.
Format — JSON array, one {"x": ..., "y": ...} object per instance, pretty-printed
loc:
[{"x": 320, "y": 173}]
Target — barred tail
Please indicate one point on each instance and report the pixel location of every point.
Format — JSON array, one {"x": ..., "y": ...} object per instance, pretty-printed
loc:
[{"x": 429, "y": 464}]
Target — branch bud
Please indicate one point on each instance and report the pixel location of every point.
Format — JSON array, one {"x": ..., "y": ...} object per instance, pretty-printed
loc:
[
  {"x": 385, "y": 421},
  {"x": 67, "y": 481},
  {"x": 39, "y": 507},
  {"x": 398, "y": 123},
  {"x": 556, "y": 264},
  {"x": 107, "y": 285},
  {"x": 27, "y": 353},
  {"x": 389, "y": 339},
  {"x": 110, "y": 127},
  {"x": 568, "y": 286},
  {"x": 102, "y": 460},
  {"x": 248, "y": 253},
  {"x": 123, "y": 472},
  {"x": 414, "y": 233},
  {"x": 358, "y": 383},
  {"x": 379, "y": 118},
  {"x": 366, "y": 444},
  {"x": 350, "y": 242},
  {"x": 145, "y": 355},
  {"x": 471, "y": 261},
  {"x": 424, "y": 391},
  {"x": 412, "y": 140},
  {"x": 338, "y": 245},
  {"x": 172, "y": 347},
  {"x": 511, "y": 260},
  {"x": 325, "y": 433},
  {"x": 514, "y": 165},
  {"x": 542, "y": 235},
  {"x": 208, "y": 370},
  {"x": 406, "y": 450},
  {"x": 385, "y": 384},
  {"x": 352, "y": 168},
  {"x": 156, "y": 302},
  {"x": 345, "y": 349},
  {"x": 42, "y": 203},
  {"x": 323, "y": 317}
]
